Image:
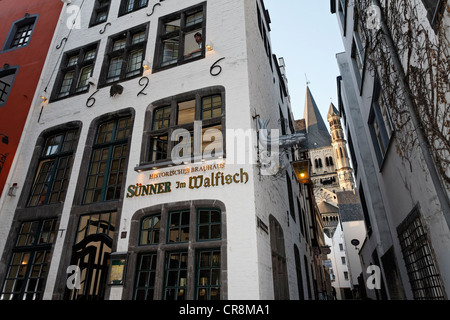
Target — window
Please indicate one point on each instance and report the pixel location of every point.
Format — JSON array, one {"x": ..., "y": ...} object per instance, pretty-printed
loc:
[
  {"x": 20, "y": 33},
  {"x": 124, "y": 55},
  {"x": 100, "y": 12},
  {"x": 423, "y": 275},
  {"x": 279, "y": 267},
  {"x": 343, "y": 260},
  {"x": 290, "y": 197},
  {"x": 298, "y": 269},
  {"x": 7, "y": 77},
  {"x": 106, "y": 169},
  {"x": 342, "y": 8},
  {"x": 173, "y": 130},
  {"x": 178, "y": 226},
  {"x": 53, "y": 171},
  {"x": 175, "y": 280},
  {"x": 263, "y": 31},
  {"x": 380, "y": 124},
  {"x": 27, "y": 270},
  {"x": 146, "y": 275},
  {"x": 346, "y": 275},
  {"x": 127, "y": 6},
  {"x": 76, "y": 68},
  {"x": 208, "y": 275},
  {"x": 358, "y": 62},
  {"x": 150, "y": 230},
  {"x": 435, "y": 10},
  {"x": 190, "y": 263},
  {"x": 181, "y": 37},
  {"x": 209, "y": 225},
  {"x": 91, "y": 253}
]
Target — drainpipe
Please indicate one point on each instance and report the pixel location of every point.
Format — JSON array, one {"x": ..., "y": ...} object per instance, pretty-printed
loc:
[{"x": 441, "y": 193}]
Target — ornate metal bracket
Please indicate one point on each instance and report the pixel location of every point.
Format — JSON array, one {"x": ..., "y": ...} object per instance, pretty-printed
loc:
[
  {"x": 273, "y": 150},
  {"x": 104, "y": 28},
  {"x": 153, "y": 9},
  {"x": 61, "y": 43}
]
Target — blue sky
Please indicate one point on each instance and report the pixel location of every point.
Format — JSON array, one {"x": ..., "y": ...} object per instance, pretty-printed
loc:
[{"x": 307, "y": 36}]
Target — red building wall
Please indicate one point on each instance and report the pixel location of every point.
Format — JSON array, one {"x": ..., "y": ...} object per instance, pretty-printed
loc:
[{"x": 30, "y": 60}]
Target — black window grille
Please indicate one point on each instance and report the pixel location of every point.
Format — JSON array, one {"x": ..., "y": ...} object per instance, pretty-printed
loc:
[{"x": 423, "y": 275}]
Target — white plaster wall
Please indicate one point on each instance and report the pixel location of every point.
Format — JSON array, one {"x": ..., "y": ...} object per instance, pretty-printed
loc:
[{"x": 232, "y": 29}]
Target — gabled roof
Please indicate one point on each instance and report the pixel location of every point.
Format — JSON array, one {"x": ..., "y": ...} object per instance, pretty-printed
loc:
[{"x": 318, "y": 135}]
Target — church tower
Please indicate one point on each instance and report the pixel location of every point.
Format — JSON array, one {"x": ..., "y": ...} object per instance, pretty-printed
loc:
[{"x": 342, "y": 161}]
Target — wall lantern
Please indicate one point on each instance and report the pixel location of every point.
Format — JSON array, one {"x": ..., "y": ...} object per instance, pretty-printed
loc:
[
  {"x": 146, "y": 65},
  {"x": 302, "y": 170}
]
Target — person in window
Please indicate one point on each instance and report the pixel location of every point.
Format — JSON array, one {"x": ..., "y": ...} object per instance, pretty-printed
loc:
[{"x": 199, "y": 39}]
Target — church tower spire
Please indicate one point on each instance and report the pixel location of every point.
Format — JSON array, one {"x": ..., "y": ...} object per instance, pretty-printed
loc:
[
  {"x": 339, "y": 144},
  {"x": 318, "y": 135}
]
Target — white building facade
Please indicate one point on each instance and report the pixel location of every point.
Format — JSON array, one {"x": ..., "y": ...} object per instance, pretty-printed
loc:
[
  {"x": 139, "y": 172},
  {"x": 405, "y": 203}
]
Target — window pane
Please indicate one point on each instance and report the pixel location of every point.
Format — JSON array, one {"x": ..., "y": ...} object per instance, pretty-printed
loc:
[
  {"x": 176, "y": 276},
  {"x": 52, "y": 145},
  {"x": 119, "y": 44},
  {"x": 208, "y": 275},
  {"x": 85, "y": 74},
  {"x": 212, "y": 141},
  {"x": 170, "y": 51},
  {"x": 192, "y": 48},
  {"x": 186, "y": 112},
  {"x": 66, "y": 84},
  {"x": 90, "y": 55},
  {"x": 178, "y": 226},
  {"x": 138, "y": 37},
  {"x": 135, "y": 62},
  {"x": 161, "y": 118},
  {"x": 22, "y": 35},
  {"x": 158, "y": 148},
  {"x": 5, "y": 87},
  {"x": 115, "y": 67},
  {"x": 173, "y": 25},
  {"x": 146, "y": 275},
  {"x": 211, "y": 107},
  {"x": 194, "y": 18},
  {"x": 150, "y": 230},
  {"x": 72, "y": 61}
]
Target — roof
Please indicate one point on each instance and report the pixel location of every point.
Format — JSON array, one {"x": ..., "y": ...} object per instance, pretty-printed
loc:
[
  {"x": 325, "y": 207},
  {"x": 318, "y": 135},
  {"x": 333, "y": 111}
]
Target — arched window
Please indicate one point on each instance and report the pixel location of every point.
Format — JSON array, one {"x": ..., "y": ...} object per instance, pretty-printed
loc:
[
  {"x": 279, "y": 268},
  {"x": 298, "y": 268}
]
